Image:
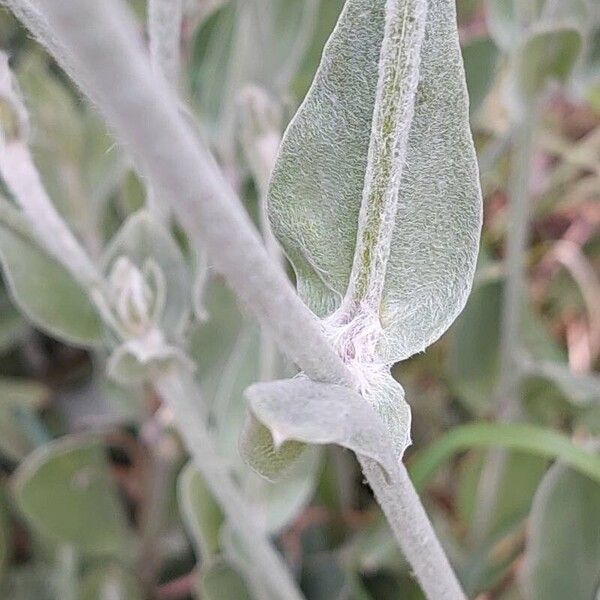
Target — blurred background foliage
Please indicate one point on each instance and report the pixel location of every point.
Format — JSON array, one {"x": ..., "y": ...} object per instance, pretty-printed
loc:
[{"x": 96, "y": 500}]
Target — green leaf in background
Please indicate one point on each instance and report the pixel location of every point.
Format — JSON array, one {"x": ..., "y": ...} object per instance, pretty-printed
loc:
[
  {"x": 480, "y": 57},
  {"x": 220, "y": 581},
  {"x": 548, "y": 54},
  {"x": 317, "y": 184},
  {"x": 79, "y": 163},
  {"x": 142, "y": 239},
  {"x": 43, "y": 290},
  {"x": 261, "y": 43},
  {"x": 85, "y": 510},
  {"x": 474, "y": 340},
  {"x": 13, "y": 326},
  {"x": 109, "y": 581},
  {"x": 19, "y": 399},
  {"x": 514, "y": 436},
  {"x": 563, "y": 549},
  {"x": 201, "y": 513}
]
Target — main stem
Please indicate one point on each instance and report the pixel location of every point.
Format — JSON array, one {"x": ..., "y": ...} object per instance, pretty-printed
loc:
[
  {"x": 184, "y": 405},
  {"x": 101, "y": 39}
]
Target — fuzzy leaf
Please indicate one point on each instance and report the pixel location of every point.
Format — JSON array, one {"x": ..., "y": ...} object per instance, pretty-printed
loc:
[
  {"x": 142, "y": 239},
  {"x": 563, "y": 551},
  {"x": 85, "y": 510},
  {"x": 300, "y": 410},
  {"x": 318, "y": 181},
  {"x": 43, "y": 289}
]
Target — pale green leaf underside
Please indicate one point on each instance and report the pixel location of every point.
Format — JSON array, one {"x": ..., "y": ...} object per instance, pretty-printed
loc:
[
  {"x": 563, "y": 551},
  {"x": 317, "y": 184},
  {"x": 301, "y": 410}
]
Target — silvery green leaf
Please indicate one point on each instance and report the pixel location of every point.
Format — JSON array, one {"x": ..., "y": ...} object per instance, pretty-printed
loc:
[
  {"x": 201, "y": 514},
  {"x": 144, "y": 241},
  {"x": 42, "y": 288},
  {"x": 319, "y": 181},
  {"x": 85, "y": 510},
  {"x": 563, "y": 549},
  {"x": 302, "y": 411}
]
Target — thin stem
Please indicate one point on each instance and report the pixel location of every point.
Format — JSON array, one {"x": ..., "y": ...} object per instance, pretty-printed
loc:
[
  {"x": 101, "y": 38},
  {"x": 412, "y": 530},
  {"x": 161, "y": 457},
  {"x": 394, "y": 108},
  {"x": 184, "y": 404}
]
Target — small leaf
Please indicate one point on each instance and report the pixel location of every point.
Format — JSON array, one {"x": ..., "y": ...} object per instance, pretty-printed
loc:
[
  {"x": 563, "y": 550},
  {"x": 43, "y": 289},
  {"x": 85, "y": 510},
  {"x": 143, "y": 240},
  {"x": 317, "y": 184},
  {"x": 220, "y": 581},
  {"x": 109, "y": 581},
  {"x": 18, "y": 399},
  {"x": 201, "y": 513},
  {"x": 300, "y": 410}
]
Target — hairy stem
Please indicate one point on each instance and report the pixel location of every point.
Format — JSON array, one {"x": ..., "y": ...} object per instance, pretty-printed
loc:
[
  {"x": 412, "y": 530},
  {"x": 164, "y": 30},
  {"x": 184, "y": 404},
  {"x": 102, "y": 40},
  {"x": 393, "y": 113}
]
